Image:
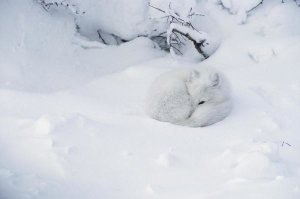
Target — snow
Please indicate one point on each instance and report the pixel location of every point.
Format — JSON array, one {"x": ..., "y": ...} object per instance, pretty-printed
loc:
[
  {"x": 235, "y": 5},
  {"x": 73, "y": 121},
  {"x": 48, "y": 58},
  {"x": 182, "y": 8},
  {"x": 110, "y": 16},
  {"x": 261, "y": 53},
  {"x": 240, "y": 8},
  {"x": 281, "y": 20},
  {"x": 198, "y": 36}
]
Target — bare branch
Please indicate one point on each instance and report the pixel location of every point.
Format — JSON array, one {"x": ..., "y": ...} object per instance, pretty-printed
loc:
[
  {"x": 156, "y": 8},
  {"x": 262, "y": 1},
  {"x": 172, "y": 46},
  {"x": 100, "y": 37},
  {"x": 198, "y": 45}
]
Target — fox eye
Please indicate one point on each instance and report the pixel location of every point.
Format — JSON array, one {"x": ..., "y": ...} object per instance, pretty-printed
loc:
[{"x": 202, "y": 102}]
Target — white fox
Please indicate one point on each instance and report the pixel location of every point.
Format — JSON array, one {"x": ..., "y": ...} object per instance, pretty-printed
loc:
[{"x": 190, "y": 97}]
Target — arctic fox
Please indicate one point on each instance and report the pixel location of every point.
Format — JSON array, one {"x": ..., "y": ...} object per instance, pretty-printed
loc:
[{"x": 191, "y": 97}]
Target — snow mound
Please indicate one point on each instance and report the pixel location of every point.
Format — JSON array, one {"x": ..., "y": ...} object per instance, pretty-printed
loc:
[
  {"x": 282, "y": 19},
  {"x": 97, "y": 12},
  {"x": 235, "y": 6},
  {"x": 240, "y": 8},
  {"x": 50, "y": 46},
  {"x": 167, "y": 159},
  {"x": 261, "y": 53}
]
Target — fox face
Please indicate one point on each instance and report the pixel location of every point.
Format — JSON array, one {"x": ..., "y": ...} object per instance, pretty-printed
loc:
[{"x": 205, "y": 88}]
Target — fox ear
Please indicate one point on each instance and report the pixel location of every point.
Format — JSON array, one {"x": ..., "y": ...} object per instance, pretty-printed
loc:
[
  {"x": 193, "y": 75},
  {"x": 215, "y": 78}
]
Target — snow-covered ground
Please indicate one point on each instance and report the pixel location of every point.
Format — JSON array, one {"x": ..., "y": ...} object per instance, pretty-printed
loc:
[{"x": 73, "y": 125}]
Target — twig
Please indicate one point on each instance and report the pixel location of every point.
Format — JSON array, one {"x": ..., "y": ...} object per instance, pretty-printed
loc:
[
  {"x": 197, "y": 45},
  {"x": 285, "y": 143},
  {"x": 172, "y": 46},
  {"x": 156, "y": 8},
  {"x": 256, "y": 6},
  {"x": 100, "y": 37}
]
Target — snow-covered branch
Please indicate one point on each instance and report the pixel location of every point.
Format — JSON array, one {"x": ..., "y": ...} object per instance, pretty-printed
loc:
[
  {"x": 241, "y": 8},
  {"x": 197, "y": 37},
  {"x": 180, "y": 30},
  {"x": 48, "y": 4}
]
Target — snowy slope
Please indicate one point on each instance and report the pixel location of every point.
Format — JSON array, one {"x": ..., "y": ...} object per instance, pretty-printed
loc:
[{"x": 73, "y": 125}]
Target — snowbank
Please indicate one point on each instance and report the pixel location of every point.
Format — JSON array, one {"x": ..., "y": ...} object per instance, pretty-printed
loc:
[
  {"x": 52, "y": 49},
  {"x": 124, "y": 18}
]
